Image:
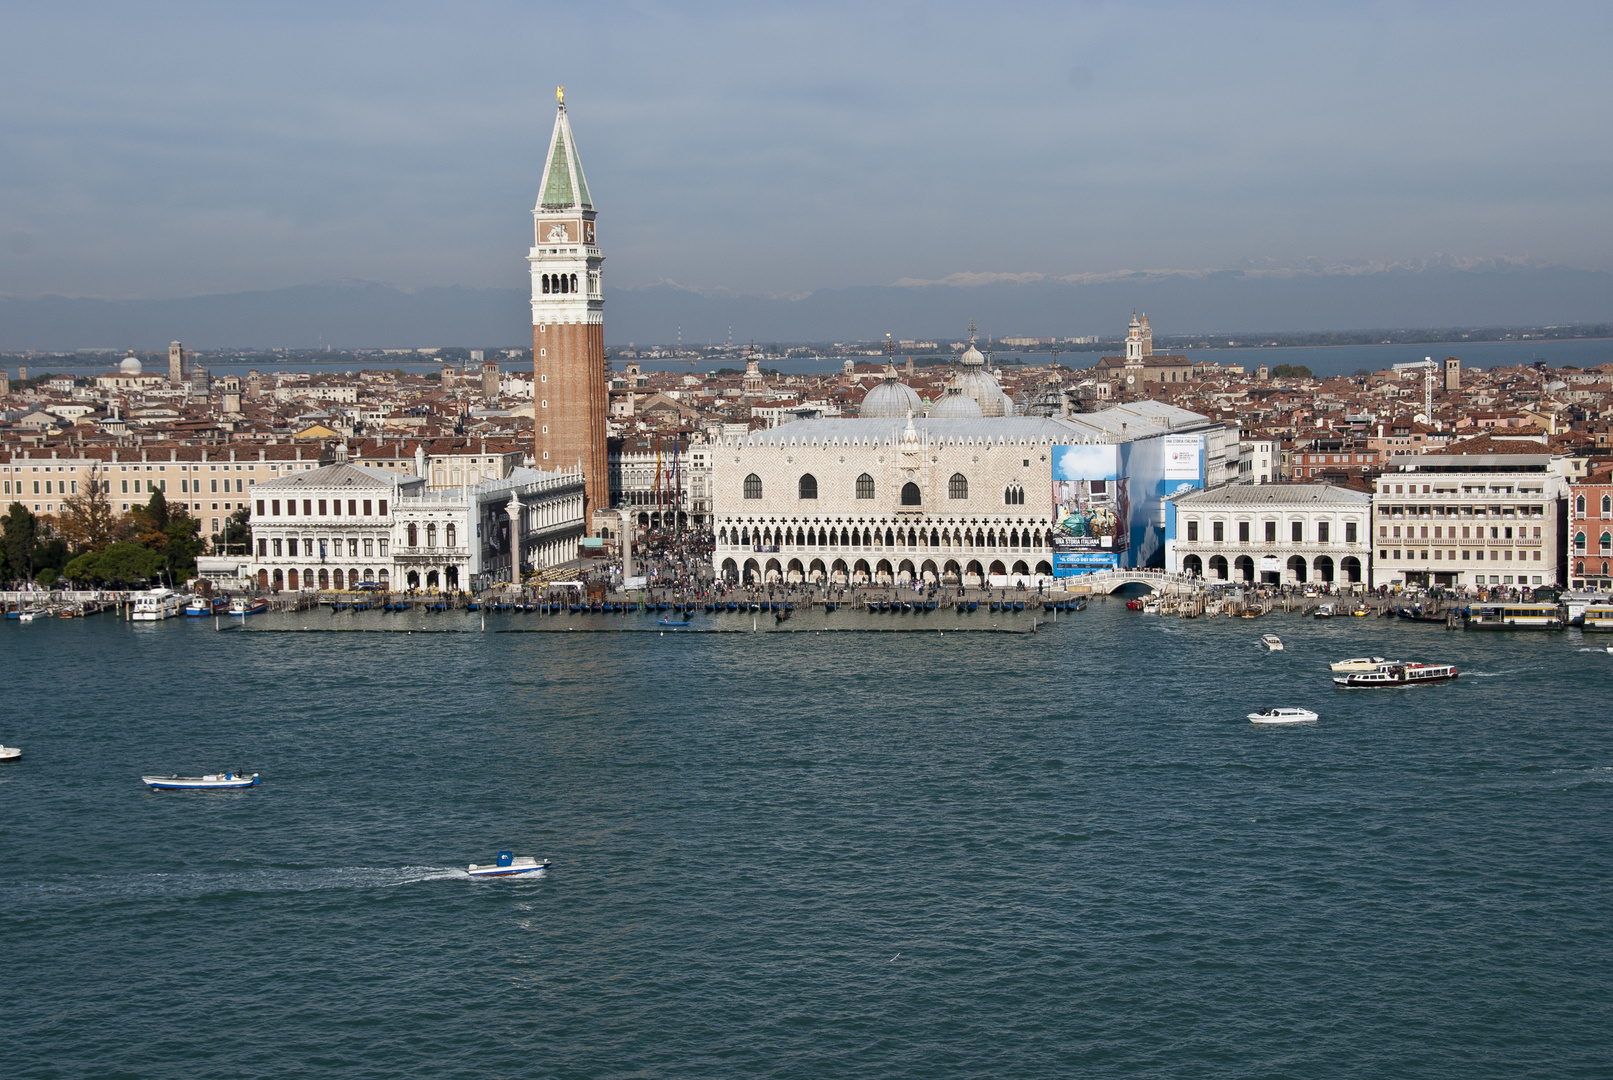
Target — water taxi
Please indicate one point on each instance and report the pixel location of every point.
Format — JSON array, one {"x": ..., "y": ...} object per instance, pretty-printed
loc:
[
  {"x": 10, "y": 753},
  {"x": 1359, "y": 663},
  {"x": 509, "y": 864},
  {"x": 210, "y": 782},
  {"x": 1397, "y": 675},
  {"x": 1283, "y": 716},
  {"x": 1271, "y": 642},
  {"x": 156, "y": 605},
  {"x": 1515, "y": 616}
]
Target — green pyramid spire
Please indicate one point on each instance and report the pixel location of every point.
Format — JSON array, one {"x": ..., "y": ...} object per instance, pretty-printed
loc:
[{"x": 563, "y": 180}]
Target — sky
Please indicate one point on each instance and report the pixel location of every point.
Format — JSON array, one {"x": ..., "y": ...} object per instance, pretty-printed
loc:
[{"x": 159, "y": 150}]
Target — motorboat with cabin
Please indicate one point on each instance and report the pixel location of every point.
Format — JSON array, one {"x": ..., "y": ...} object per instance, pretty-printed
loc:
[
  {"x": 227, "y": 781},
  {"x": 1360, "y": 663},
  {"x": 200, "y": 606},
  {"x": 10, "y": 753},
  {"x": 155, "y": 605},
  {"x": 1324, "y": 611},
  {"x": 1283, "y": 716},
  {"x": 509, "y": 864},
  {"x": 1271, "y": 642},
  {"x": 1396, "y": 675},
  {"x": 244, "y": 607}
]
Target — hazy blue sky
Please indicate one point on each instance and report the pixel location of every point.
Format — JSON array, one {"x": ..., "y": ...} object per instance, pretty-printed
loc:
[{"x": 163, "y": 149}]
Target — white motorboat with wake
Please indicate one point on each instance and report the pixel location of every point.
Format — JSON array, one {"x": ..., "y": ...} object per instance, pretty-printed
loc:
[
  {"x": 1360, "y": 663},
  {"x": 1271, "y": 642},
  {"x": 1283, "y": 716},
  {"x": 509, "y": 864},
  {"x": 211, "y": 782},
  {"x": 10, "y": 753}
]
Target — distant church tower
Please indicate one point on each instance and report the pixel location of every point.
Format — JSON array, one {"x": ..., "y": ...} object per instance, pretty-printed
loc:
[{"x": 569, "y": 396}]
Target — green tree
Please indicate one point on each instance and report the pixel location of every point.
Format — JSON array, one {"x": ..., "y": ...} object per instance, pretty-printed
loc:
[
  {"x": 122, "y": 563},
  {"x": 184, "y": 544},
  {"x": 88, "y": 522},
  {"x": 21, "y": 536},
  {"x": 157, "y": 511},
  {"x": 236, "y": 539}
]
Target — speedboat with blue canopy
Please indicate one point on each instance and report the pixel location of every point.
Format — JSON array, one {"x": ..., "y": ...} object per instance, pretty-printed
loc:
[{"x": 509, "y": 864}]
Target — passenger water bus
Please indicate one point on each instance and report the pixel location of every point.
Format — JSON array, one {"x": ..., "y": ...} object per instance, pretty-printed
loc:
[
  {"x": 1397, "y": 675},
  {"x": 1598, "y": 617},
  {"x": 1515, "y": 616},
  {"x": 155, "y": 605}
]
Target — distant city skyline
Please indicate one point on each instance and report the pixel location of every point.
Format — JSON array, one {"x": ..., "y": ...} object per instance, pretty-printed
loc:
[{"x": 777, "y": 152}]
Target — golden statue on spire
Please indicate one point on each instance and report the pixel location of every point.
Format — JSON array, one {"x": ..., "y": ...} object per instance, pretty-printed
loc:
[{"x": 560, "y": 95}]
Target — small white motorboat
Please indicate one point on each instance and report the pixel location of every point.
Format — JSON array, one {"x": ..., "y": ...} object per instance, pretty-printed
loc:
[
  {"x": 1360, "y": 663},
  {"x": 29, "y": 616},
  {"x": 210, "y": 782},
  {"x": 1271, "y": 642},
  {"x": 10, "y": 753},
  {"x": 509, "y": 864},
  {"x": 1283, "y": 716}
]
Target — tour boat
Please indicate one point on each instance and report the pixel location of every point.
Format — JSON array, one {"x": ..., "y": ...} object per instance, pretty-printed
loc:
[
  {"x": 1360, "y": 663},
  {"x": 1397, "y": 675},
  {"x": 1283, "y": 716},
  {"x": 155, "y": 605},
  {"x": 1597, "y": 617},
  {"x": 1272, "y": 642},
  {"x": 244, "y": 607},
  {"x": 509, "y": 865},
  {"x": 210, "y": 782},
  {"x": 10, "y": 753}
]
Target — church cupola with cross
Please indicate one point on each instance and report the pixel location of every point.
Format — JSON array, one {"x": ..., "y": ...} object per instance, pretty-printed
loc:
[{"x": 570, "y": 396}]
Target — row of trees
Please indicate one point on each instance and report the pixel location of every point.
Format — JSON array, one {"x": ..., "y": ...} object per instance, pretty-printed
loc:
[{"x": 89, "y": 543}]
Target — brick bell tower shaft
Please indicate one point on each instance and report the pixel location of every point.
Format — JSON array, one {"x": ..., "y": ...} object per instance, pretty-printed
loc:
[{"x": 569, "y": 394}]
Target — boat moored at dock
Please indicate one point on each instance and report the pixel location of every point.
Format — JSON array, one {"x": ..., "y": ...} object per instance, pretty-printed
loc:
[
  {"x": 244, "y": 607},
  {"x": 228, "y": 781},
  {"x": 1397, "y": 675},
  {"x": 509, "y": 864},
  {"x": 1515, "y": 616},
  {"x": 155, "y": 605}
]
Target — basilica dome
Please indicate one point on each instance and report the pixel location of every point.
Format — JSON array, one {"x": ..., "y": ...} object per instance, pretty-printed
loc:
[
  {"x": 955, "y": 405},
  {"x": 975, "y": 382},
  {"x": 891, "y": 398},
  {"x": 131, "y": 366}
]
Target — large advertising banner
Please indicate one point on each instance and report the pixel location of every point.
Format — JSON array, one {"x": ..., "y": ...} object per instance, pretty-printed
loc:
[{"x": 1091, "y": 509}]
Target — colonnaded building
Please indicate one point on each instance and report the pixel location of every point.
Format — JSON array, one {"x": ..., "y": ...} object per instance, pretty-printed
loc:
[
  {"x": 341, "y": 527},
  {"x": 961, "y": 496}
]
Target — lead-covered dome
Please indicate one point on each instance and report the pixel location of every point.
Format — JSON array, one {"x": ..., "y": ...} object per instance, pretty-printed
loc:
[
  {"x": 131, "y": 365},
  {"x": 892, "y": 398},
  {"x": 955, "y": 405}
]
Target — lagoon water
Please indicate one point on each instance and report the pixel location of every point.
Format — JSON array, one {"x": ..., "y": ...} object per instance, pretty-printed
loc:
[{"x": 803, "y": 855}]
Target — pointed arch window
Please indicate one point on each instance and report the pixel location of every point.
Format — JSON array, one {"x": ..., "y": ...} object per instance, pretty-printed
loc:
[
  {"x": 1579, "y": 506},
  {"x": 753, "y": 486},
  {"x": 1607, "y": 505},
  {"x": 1607, "y": 543},
  {"x": 1579, "y": 543},
  {"x": 911, "y": 495},
  {"x": 1014, "y": 495},
  {"x": 957, "y": 488},
  {"x": 808, "y": 486},
  {"x": 865, "y": 486}
]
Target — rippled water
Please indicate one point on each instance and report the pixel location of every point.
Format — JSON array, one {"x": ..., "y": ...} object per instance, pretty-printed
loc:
[{"x": 803, "y": 855}]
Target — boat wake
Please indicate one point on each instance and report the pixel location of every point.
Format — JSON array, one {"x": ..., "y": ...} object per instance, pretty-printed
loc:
[{"x": 193, "y": 885}]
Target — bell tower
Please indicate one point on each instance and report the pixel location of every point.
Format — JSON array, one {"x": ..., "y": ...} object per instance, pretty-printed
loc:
[{"x": 569, "y": 396}]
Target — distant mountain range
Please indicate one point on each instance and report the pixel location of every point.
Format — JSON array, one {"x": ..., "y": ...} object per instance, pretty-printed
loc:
[{"x": 1233, "y": 303}]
